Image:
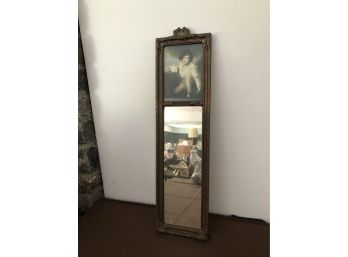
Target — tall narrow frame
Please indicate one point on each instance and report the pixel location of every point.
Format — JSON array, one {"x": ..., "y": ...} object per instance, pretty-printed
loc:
[{"x": 182, "y": 37}]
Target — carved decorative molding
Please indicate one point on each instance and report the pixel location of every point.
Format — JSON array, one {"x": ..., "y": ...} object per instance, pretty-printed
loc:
[{"x": 181, "y": 32}]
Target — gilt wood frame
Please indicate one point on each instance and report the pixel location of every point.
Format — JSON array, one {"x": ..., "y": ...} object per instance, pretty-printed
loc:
[{"x": 182, "y": 36}]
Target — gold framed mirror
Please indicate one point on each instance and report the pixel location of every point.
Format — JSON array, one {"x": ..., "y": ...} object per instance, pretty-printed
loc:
[{"x": 183, "y": 63}]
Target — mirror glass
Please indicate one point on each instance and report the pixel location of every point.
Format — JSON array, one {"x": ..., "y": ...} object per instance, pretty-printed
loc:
[{"x": 183, "y": 166}]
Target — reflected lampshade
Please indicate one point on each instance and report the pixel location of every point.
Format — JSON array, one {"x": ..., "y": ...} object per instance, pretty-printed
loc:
[{"x": 193, "y": 133}]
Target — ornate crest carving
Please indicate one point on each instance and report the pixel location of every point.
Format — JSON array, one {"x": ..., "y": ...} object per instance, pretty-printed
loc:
[{"x": 181, "y": 32}]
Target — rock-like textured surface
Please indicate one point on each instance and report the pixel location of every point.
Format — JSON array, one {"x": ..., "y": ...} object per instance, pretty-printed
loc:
[{"x": 89, "y": 177}]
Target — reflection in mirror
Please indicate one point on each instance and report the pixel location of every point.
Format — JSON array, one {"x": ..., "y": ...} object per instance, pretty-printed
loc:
[{"x": 183, "y": 166}]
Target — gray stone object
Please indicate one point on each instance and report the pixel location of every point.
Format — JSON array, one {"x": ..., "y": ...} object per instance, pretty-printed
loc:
[{"x": 90, "y": 183}]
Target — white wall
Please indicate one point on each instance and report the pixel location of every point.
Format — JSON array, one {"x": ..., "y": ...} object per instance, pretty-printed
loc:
[{"x": 119, "y": 44}]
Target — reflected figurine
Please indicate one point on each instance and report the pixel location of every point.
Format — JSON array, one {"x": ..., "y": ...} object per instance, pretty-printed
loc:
[{"x": 195, "y": 167}]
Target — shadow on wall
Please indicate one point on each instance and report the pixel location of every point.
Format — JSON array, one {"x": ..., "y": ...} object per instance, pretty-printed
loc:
[{"x": 90, "y": 185}]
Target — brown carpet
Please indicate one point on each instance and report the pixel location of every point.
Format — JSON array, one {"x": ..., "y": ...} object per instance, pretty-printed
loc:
[{"x": 113, "y": 228}]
